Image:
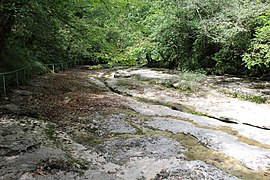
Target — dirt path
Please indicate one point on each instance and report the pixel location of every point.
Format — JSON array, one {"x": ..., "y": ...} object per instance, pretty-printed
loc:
[{"x": 126, "y": 124}]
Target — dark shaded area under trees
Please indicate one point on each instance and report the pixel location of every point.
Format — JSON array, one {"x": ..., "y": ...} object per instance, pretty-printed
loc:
[{"x": 217, "y": 36}]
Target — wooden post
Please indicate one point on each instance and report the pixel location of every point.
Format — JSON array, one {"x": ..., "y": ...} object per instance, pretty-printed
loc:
[
  {"x": 17, "y": 78},
  {"x": 30, "y": 71},
  {"x": 45, "y": 69},
  {"x": 4, "y": 85},
  {"x": 33, "y": 70},
  {"x": 53, "y": 68},
  {"x": 24, "y": 75}
]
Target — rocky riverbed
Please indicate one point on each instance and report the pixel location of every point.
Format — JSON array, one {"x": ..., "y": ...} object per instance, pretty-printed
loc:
[{"x": 134, "y": 123}]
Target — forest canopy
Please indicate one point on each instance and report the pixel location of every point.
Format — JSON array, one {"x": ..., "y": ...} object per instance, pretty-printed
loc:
[{"x": 217, "y": 36}]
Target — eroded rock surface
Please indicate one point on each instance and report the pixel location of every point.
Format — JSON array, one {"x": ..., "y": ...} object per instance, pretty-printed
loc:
[
  {"x": 103, "y": 125},
  {"x": 130, "y": 123},
  {"x": 205, "y": 100},
  {"x": 157, "y": 146},
  {"x": 62, "y": 175},
  {"x": 21, "y": 149},
  {"x": 13, "y": 167},
  {"x": 148, "y": 74},
  {"x": 193, "y": 170}
]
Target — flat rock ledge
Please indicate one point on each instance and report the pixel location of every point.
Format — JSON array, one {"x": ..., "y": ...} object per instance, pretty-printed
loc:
[{"x": 253, "y": 157}]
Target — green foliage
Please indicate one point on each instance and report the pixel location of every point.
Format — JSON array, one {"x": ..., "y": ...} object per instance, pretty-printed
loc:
[
  {"x": 232, "y": 29},
  {"x": 55, "y": 31},
  {"x": 222, "y": 36},
  {"x": 173, "y": 31},
  {"x": 95, "y": 67},
  {"x": 210, "y": 34},
  {"x": 252, "y": 98},
  {"x": 33, "y": 33},
  {"x": 259, "y": 50}
]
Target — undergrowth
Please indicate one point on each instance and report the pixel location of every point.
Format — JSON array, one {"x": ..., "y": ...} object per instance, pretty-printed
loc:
[
  {"x": 189, "y": 81},
  {"x": 248, "y": 97}
]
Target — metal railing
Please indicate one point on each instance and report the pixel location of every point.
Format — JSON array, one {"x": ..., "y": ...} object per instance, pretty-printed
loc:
[{"x": 19, "y": 76}]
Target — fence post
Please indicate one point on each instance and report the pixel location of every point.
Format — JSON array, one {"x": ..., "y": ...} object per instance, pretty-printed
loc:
[
  {"x": 45, "y": 69},
  {"x": 17, "y": 78},
  {"x": 24, "y": 74},
  {"x": 30, "y": 71},
  {"x": 33, "y": 69},
  {"x": 4, "y": 85}
]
